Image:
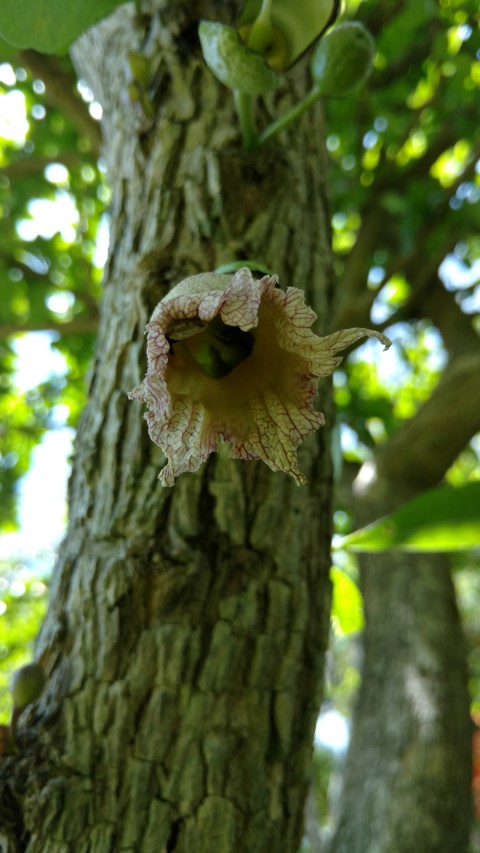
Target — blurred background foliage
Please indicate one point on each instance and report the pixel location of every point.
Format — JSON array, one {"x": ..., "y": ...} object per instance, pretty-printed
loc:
[
  {"x": 52, "y": 199},
  {"x": 53, "y": 203},
  {"x": 404, "y": 179}
]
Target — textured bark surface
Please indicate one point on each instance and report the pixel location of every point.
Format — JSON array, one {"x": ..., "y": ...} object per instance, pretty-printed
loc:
[
  {"x": 185, "y": 637},
  {"x": 407, "y": 779}
]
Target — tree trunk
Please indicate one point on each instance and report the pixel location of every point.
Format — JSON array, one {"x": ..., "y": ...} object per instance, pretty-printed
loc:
[
  {"x": 408, "y": 771},
  {"x": 187, "y": 627},
  {"x": 407, "y": 778}
]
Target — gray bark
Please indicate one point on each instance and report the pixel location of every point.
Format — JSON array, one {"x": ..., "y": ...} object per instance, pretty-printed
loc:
[
  {"x": 186, "y": 631},
  {"x": 407, "y": 778}
]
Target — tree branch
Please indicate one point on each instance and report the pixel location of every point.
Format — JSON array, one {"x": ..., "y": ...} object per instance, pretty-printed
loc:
[
  {"x": 356, "y": 301},
  {"x": 27, "y": 271},
  {"x": 420, "y": 452},
  {"x": 81, "y": 325},
  {"x": 356, "y": 310},
  {"x": 440, "y": 306},
  {"x": 32, "y": 165},
  {"x": 60, "y": 92}
]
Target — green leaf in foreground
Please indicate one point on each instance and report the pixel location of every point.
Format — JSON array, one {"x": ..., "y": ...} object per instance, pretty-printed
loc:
[
  {"x": 443, "y": 519},
  {"x": 50, "y": 25},
  {"x": 347, "y": 602}
]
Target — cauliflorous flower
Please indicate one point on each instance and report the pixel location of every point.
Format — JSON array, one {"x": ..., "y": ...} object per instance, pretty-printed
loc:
[{"x": 233, "y": 357}]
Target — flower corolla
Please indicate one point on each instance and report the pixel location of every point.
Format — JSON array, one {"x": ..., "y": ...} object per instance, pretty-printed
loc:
[{"x": 234, "y": 358}]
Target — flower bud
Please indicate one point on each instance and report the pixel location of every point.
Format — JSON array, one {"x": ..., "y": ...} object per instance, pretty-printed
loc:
[
  {"x": 232, "y": 62},
  {"x": 343, "y": 59},
  {"x": 27, "y": 685}
]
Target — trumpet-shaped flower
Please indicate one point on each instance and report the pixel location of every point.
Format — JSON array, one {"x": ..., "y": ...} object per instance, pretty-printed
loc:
[{"x": 234, "y": 357}]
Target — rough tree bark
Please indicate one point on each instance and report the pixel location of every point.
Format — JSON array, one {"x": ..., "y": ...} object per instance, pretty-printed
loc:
[{"x": 186, "y": 631}]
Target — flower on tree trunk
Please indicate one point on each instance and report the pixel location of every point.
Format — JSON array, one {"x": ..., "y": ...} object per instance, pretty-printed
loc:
[{"x": 233, "y": 357}]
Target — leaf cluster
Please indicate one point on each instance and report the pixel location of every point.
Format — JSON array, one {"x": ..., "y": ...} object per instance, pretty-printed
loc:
[{"x": 49, "y": 279}]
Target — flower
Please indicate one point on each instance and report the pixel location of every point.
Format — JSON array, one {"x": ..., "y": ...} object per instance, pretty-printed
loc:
[
  {"x": 233, "y": 357},
  {"x": 282, "y": 30}
]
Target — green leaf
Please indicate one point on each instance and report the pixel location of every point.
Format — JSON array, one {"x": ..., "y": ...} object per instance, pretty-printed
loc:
[
  {"x": 443, "y": 519},
  {"x": 347, "y": 602},
  {"x": 50, "y": 25},
  {"x": 7, "y": 52}
]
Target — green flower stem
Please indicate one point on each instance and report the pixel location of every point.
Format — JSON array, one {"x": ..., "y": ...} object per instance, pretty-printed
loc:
[
  {"x": 260, "y": 34},
  {"x": 288, "y": 118},
  {"x": 244, "y": 108}
]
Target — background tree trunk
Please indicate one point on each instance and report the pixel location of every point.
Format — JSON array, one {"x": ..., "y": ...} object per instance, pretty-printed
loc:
[
  {"x": 408, "y": 772},
  {"x": 407, "y": 778},
  {"x": 187, "y": 627}
]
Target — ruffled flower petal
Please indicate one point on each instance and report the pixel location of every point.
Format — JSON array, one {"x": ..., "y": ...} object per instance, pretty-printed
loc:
[{"x": 263, "y": 404}]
